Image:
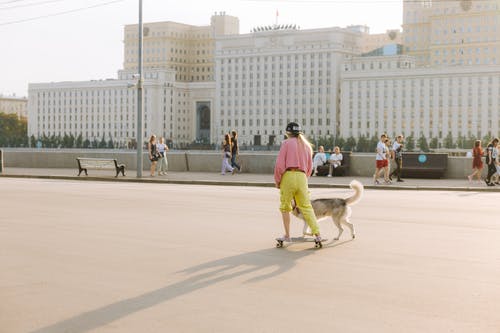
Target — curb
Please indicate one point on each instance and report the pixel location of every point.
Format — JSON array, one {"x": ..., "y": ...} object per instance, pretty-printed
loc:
[{"x": 254, "y": 184}]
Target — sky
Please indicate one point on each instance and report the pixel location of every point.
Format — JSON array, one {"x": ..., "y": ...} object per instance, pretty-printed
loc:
[{"x": 81, "y": 40}]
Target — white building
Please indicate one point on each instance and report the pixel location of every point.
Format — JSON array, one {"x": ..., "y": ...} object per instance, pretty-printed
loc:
[
  {"x": 389, "y": 94},
  {"x": 279, "y": 74},
  {"x": 452, "y": 32},
  {"x": 14, "y": 105},
  {"x": 179, "y": 89}
]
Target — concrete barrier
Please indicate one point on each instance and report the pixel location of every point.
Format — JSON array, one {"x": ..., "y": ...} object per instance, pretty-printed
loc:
[{"x": 362, "y": 164}]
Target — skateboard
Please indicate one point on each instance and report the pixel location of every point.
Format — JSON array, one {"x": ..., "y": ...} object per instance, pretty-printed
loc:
[{"x": 317, "y": 244}]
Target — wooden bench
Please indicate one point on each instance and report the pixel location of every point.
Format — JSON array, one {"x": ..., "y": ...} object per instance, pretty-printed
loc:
[
  {"x": 85, "y": 163},
  {"x": 342, "y": 170},
  {"x": 424, "y": 165}
]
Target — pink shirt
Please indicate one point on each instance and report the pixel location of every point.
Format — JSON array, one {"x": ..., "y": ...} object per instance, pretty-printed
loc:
[{"x": 292, "y": 155}]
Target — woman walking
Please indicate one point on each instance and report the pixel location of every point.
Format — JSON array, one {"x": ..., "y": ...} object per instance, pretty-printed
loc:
[
  {"x": 153, "y": 154},
  {"x": 293, "y": 167},
  {"x": 491, "y": 158},
  {"x": 226, "y": 155},
  {"x": 477, "y": 163}
]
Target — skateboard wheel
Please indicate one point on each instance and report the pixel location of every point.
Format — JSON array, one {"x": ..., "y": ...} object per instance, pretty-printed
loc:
[{"x": 279, "y": 244}]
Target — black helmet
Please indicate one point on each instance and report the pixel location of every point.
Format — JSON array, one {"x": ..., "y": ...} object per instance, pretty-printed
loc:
[{"x": 293, "y": 128}]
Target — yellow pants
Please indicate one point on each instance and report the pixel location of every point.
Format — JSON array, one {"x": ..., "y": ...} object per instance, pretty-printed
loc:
[{"x": 294, "y": 186}]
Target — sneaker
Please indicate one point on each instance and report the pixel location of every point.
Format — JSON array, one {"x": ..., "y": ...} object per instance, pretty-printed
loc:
[
  {"x": 490, "y": 184},
  {"x": 387, "y": 182},
  {"x": 329, "y": 175},
  {"x": 317, "y": 239},
  {"x": 400, "y": 180},
  {"x": 283, "y": 239},
  {"x": 234, "y": 171},
  {"x": 376, "y": 182},
  {"x": 469, "y": 178}
]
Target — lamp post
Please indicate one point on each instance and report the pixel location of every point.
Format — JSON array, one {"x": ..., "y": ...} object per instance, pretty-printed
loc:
[{"x": 140, "y": 131}]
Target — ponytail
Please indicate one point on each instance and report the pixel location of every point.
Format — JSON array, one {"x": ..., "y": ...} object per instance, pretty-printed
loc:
[{"x": 303, "y": 141}]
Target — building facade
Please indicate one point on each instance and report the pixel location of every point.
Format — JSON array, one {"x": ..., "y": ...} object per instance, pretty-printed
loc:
[
  {"x": 445, "y": 33},
  {"x": 279, "y": 74},
  {"x": 391, "y": 95},
  {"x": 178, "y": 89},
  {"x": 14, "y": 105}
]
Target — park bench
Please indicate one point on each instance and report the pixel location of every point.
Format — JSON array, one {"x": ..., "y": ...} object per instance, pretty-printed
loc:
[
  {"x": 342, "y": 170},
  {"x": 85, "y": 163},
  {"x": 424, "y": 165}
]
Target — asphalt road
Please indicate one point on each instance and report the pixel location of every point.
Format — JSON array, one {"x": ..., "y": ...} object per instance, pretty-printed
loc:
[{"x": 141, "y": 257}]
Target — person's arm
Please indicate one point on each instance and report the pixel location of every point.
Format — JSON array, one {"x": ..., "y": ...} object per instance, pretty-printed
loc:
[{"x": 280, "y": 166}]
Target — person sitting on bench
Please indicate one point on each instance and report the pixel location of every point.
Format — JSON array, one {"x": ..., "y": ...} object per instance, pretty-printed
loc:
[
  {"x": 319, "y": 159},
  {"x": 335, "y": 160}
]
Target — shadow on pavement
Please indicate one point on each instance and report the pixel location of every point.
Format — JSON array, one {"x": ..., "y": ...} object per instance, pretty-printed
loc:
[{"x": 254, "y": 263}]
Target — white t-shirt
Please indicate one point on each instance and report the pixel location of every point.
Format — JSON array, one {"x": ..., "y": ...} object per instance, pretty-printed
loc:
[
  {"x": 319, "y": 159},
  {"x": 381, "y": 151},
  {"x": 161, "y": 148},
  {"x": 336, "y": 159},
  {"x": 395, "y": 147}
]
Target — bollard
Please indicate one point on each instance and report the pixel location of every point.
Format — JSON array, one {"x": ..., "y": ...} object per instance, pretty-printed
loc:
[{"x": 1, "y": 161}]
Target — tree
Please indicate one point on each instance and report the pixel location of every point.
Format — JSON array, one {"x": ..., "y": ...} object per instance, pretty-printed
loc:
[
  {"x": 350, "y": 144},
  {"x": 339, "y": 141},
  {"x": 13, "y": 131},
  {"x": 422, "y": 144},
  {"x": 79, "y": 141},
  {"x": 103, "y": 143},
  {"x": 33, "y": 141},
  {"x": 373, "y": 143},
  {"x": 86, "y": 143},
  {"x": 448, "y": 141},
  {"x": 433, "y": 144},
  {"x": 461, "y": 142},
  {"x": 363, "y": 144},
  {"x": 410, "y": 143},
  {"x": 325, "y": 141}
]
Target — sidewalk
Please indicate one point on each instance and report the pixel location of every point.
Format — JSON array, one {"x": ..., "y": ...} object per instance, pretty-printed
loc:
[{"x": 245, "y": 179}]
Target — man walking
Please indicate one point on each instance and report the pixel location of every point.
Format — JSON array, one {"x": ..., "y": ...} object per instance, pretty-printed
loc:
[
  {"x": 397, "y": 155},
  {"x": 234, "y": 150},
  {"x": 381, "y": 161}
]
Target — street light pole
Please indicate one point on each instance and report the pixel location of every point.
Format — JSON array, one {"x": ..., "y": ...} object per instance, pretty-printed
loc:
[{"x": 140, "y": 131}]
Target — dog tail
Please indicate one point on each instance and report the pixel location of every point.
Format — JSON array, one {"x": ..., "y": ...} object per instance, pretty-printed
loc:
[{"x": 358, "y": 192}]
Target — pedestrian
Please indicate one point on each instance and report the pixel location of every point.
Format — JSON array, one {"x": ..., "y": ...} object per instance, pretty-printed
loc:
[
  {"x": 153, "y": 154},
  {"x": 477, "y": 162},
  {"x": 335, "y": 161},
  {"x": 497, "y": 175},
  {"x": 319, "y": 159},
  {"x": 381, "y": 161},
  {"x": 293, "y": 167},
  {"x": 162, "y": 161},
  {"x": 388, "y": 154},
  {"x": 491, "y": 158},
  {"x": 235, "y": 151},
  {"x": 226, "y": 155},
  {"x": 397, "y": 155}
]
